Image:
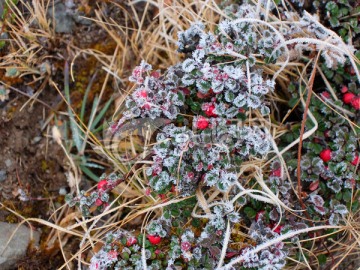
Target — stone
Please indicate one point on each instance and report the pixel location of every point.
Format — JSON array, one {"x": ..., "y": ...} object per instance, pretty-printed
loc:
[
  {"x": 2, "y": 175},
  {"x": 16, "y": 248}
]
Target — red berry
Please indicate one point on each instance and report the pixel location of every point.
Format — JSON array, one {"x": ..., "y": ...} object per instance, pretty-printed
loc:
[
  {"x": 325, "y": 95},
  {"x": 209, "y": 109},
  {"x": 131, "y": 241},
  {"x": 143, "y": 94},
  {"x": 102, "y": 185},
  {"x": 355, "y": 160},
  {"x": 202, "y": 123},
  {"x": 327, "y": 133},
  {"x": 155, "y": 74},
  {"x": 98, "y": 202},
  {"x": 344, "y": 89},
  {"x": 348, "y": 97},
  {"x": 146, "y": 106},
  {"x": 277, "y": 229},
  {"x": 259, "y": 215},
  {"x": 154, "y": 239},
  {"x": 185, "y": 246},
  {"x": 355, "y": 102},
  {"x": 276, "y": 172},
  {"x": 325, "y": 155}
]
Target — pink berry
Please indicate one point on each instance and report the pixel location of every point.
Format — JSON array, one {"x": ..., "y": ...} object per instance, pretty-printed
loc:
[
  {"x": 325, "y": 155},
  {"x": 348, "y": 97},
  {"x": 355, "y": 160},
  {"x": 202, "y": 123},
  {"x": 154, "y": 239},
  {"x": 344, "y": 89},
  {"x": 102, "y": 185}
]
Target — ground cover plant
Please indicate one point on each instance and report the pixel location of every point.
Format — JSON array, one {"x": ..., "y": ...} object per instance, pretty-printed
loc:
[{"x": 234, "y": 146}]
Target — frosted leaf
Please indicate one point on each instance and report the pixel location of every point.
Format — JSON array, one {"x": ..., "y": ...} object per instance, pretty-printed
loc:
[
  {"x": 188, "y": 79},
  {"x": 198, "y": 55},
  {"x": 234, "y": 217},
  {"x": 316, "y": 200},
  {"x": 254, "y": 101},
  {"x": 340, "y": 209},
  {"x": 229, "y": 96},
  {"x": 334, "y": 219},
  {"x": 188, "y": 65},
  {"x": 320, "y": 209},
  {"x": 231, "y": 112},
  {"x": 217, "y": 86},
  {"x": 240, "y": 100},
  {"x": 264, "y": 110}
]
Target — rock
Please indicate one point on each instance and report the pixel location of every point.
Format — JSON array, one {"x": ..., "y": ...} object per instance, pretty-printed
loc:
[
  {"x": 2, "y": 175},
  {"x": 8, "y": 163},
  {"x": 16, "y": 249}
]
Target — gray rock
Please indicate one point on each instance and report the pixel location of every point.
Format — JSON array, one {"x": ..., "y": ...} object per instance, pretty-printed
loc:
[
  {"x": 16, "y": 249},
  {"x": 8, "y": 163},
  {"x": 64, "y": 19},
  {"x": 2, "y": 175}
]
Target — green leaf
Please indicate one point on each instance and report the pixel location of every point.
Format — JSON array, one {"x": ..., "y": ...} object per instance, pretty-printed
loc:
[
  {"x": 100, "y": 116},
  {"x": 87, "y": 91},
  {"x": 347, "y": 196},
  {"x": 251, "y": 213},
  {"x": 89, "y": 173},
  {"x": 322, "y": 259}
]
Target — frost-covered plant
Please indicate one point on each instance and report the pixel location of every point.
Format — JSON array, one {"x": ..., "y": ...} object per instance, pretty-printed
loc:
[
  {"x": 209, "y": 147},
  {"x": 271, "y": 258},
  {"x": 100, "y": 197}
]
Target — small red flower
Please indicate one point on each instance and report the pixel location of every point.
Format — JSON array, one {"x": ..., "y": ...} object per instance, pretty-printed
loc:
[
  {"x": 355, "y": 160},
  {"x": 325, "y": 155},
  {"x": 154, "y": 239},
  {"x": 355, "y": 102},
  {"x": 131, "y": 241},
  {"x": 348, "y": 97},
  {"x": 202, "y": 123},
  {"x": 102, "y": 185}
]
